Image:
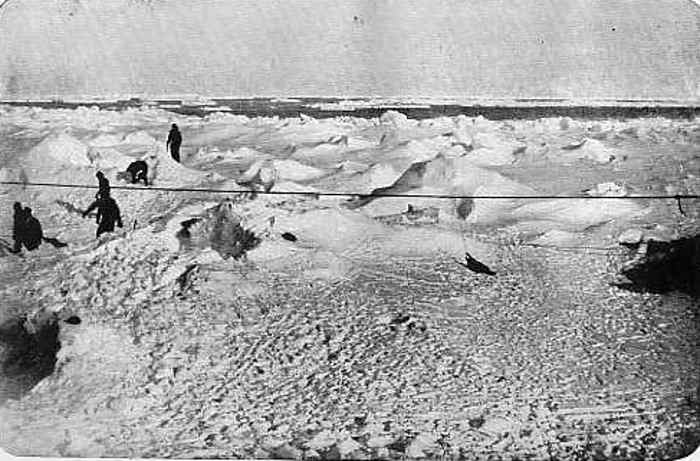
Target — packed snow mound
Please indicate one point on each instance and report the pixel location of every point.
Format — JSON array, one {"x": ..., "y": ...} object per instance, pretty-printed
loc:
[
  {"x": 557, "y": 238},
  {"x": 492, "y": 157},
  {"x": 93, "y": 118},
  {"x": 607, "y": 189},
  {"x": 356, "y": 143},
  {"x": 327, "y": 266},
  {"x": 376, "y": 177},
  {"x": 246, "y": 155},
  {"x": 309, "y": 133},
  {"x": 390, "y": 138},
  {"x": 163, "y": 170},
  {"x": 389, "y": 165},
  {"x": 261, "y": 173},
  {"x": 392, "y": 206},
  {"x": 487, "y": 211},
  {"x": 442, "y": 124},
  {"x": 217, "y": 133},
  {"x": 204, "y": 155},
  {"x": 575, "y": 215},
  {"x": 591, "y": 149},
  {"x": 58, "y": 151},
  {"x": 350, "y": 167},
  {"x": 489, "y": 140},
  {"x": 7, "y": 174},
  {"x": 442, "y": 175},
  {"x": 106, "y": 140},
  {"x": 108, "y": 158},
  {"x": 394, "y": 118},
  {"x": 140, "y": 138},
  {"x": 543, "y": 215},
  {"x": 243, "y": 157},
  {"x": 492, "y": 150},
  {"x": 482, "y": 124},
  {"x": 420, "y": 150},
  {"x": 419, "y": 241},
  {"x": 295, "y": 171},
  {"x": 462, "y": 133},
  {"x": 320, "y": 156},
  {"x": 462, "y": 176},
  {"x": 331, "y": 229}
]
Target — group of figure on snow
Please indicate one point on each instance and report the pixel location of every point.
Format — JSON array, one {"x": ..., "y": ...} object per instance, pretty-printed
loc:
[{"x": 27, "y": 231}]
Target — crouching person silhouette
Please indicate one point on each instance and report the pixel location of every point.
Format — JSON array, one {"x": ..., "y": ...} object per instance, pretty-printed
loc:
[
  {"x": 135, "y": 172},
  {"x": 27, "y": 231}
]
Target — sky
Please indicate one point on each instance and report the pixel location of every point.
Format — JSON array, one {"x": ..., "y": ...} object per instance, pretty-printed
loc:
[{"x": 628, "y": 49}]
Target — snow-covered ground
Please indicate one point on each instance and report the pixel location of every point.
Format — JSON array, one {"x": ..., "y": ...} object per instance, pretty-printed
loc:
[{"x": 362, "y": 334}]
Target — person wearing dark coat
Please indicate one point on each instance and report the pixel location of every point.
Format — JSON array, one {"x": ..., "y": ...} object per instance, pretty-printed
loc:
[
  {"x": 138, "y": 171},
  {"x": 103, "y": 184},
  {"x": 27, "y": 231},
  {"x": 18, "y": 227},
  {"x": 174, "y": 142},
  {"x": 107, "y": 215},
  {"x": 33, "y": 233},
  {"x": 103, "y": 191}
]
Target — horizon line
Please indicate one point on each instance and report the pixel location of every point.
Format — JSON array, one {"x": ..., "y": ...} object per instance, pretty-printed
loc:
[{"x": 199, "y": 99}]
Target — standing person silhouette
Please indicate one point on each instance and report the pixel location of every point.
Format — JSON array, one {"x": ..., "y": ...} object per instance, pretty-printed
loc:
[
  {"x": 103, "y": 186},
  {"x": 107, "y": 214},
  {"x": 103, "y": 191},
  {"x": 33, "y": 232},
  {"x": 19, "y": 227},
  {"x": 174, "y": 141}
]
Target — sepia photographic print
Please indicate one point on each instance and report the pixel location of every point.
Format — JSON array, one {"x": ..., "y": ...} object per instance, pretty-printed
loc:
[{"x": 357, "y": 229}]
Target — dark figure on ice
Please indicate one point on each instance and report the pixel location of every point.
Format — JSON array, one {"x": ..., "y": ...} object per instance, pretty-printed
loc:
[
  {"x": 103, "y": 191},
  {"x": 138, "y": 171},
  {"x": 18, "y": 227},
  {"x": 103, "y": 185},
  {"x": 33, "y": 232},
  {"x": 26, "y": 229},
  {"x": 174, "y": 141},
  {"x": 107, "y": 215},
  {"x": 475, "y": 265}
]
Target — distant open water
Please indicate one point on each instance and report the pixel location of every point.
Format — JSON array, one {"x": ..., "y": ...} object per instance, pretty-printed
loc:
[{"x": 268, "y": 107}]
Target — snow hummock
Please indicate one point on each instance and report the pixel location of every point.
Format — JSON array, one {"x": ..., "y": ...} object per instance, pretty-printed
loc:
[
  {"x": 58, "y": 150},
  {"x": 105, "y": 140},
  {"x": 395, "y": 118},
  {"x": 262, "y": 172},
  {"x": 608, "y": 189},
  {"x": 108, "y": 158},
  {"x": 296, "y": 171},
  {"x": 576, "y": 214},
  {"x": 490, "y": 149},
  {"x": 449, "y": 156},
  {"x": 163, "y": 170},
  {"x": 141, "y": 138},
  {"x": 591, "y": 149}
]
